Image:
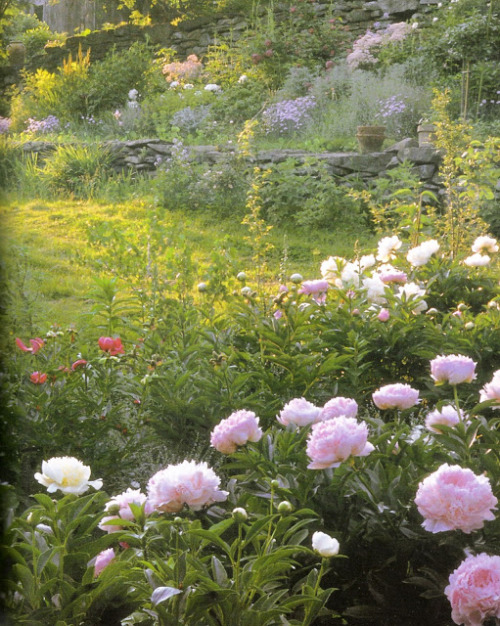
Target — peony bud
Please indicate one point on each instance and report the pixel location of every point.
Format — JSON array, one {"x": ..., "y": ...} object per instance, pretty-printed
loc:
[
  {"x": 296, "y": 278},
  {"x": 285, "y": 507},
  {"x": 241, "y": 276},
  {"x": 325, "y": 545},
  {"x": 240, "y": 515},
  {"x": 202, "y": 287}
]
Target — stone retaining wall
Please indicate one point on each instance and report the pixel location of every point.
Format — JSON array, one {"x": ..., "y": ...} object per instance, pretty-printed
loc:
[
  {"x": 145, "y": 155},
  {"x": 195, "y": 36}
]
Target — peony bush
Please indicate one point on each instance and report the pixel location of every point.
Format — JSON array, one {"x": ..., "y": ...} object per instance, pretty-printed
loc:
[{"x": 266, "y": 454}]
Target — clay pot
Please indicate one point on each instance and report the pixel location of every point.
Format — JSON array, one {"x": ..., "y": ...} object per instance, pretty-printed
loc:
[{"x": 370, "y": 138}]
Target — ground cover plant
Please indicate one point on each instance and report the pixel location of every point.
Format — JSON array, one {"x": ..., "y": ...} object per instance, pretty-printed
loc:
[{"x": 238, "y": 396}]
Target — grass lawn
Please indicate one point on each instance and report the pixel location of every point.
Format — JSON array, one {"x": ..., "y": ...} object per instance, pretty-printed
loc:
[{"x": 53, "y": 251}]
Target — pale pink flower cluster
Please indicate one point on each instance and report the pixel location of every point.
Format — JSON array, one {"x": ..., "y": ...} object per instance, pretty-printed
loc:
[
  {"x": 396, "y": 396},
  {"x": 370, "y": 42},
  {"x": 335, "y": 440},
  {"x": 491, "y": 391},
  {"x": 190, "y": 483},
  {"x": 446, "y": 416},
  {"x": 453, "y": 369},
  {"x": 485, "y": 244},
  {"x": 299, "y": 412},
  {"x": 119, "y": 507},
  {"x": 236, "y": 430},
  {"x": 339, "y": 406},
  {"x": 474, "y": 590},
  {"x": 453, "y": 498},
  {"x": 386, "y": 249},
  {"x": 190, "y": 69},
  {"x": 420, "y": 255},
  {"x": 102, "y": 560},
  {"x": 390, "y": 275}
]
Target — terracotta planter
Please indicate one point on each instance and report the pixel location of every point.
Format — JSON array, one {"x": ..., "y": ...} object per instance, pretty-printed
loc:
[
  {"x": 426, "y": 134},
  {"x": 17, "y": 52},
  {"x": 370, "y": 138}
]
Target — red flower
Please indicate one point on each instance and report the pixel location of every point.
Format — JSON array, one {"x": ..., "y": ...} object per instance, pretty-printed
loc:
[
  {"x": 36, "y": 344},
  {"x": 38, "y": 378},
  {"x": 79, "y": 363},
  {"x": 111, "y": 345}
]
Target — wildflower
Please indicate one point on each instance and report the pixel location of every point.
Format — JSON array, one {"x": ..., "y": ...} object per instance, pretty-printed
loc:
[
  {"x": 299, "y": 412},
  {"x": 335, "y": 440},
  {"x": 453, "y": 369},
  {"x": 112, "y": 345},
  {"x": 473, "y": 590},
  {"x": 103, "y": 559},
  {"x": 67, "y": 474},
  {"x": 213, "y": 88},
  {"x": 191, "y": 483},
  {"x": 396, "y": 396},
  {"x": 36, "y": 345},
  {"x": 337, "y": 407},
  {"x": 453, "y": 498},
  {"x": 325, "y": 545},
  {"x": 288, "y": 116},
  {"x": 38, "y": 378},
  {"x": 243, "y": 79},
  {"x": 236, "y": 430},
  {"x": 421, "y": 254}
]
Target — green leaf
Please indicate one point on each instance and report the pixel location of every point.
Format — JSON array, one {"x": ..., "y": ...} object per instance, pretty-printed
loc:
[{"x": 161, "y": 594}]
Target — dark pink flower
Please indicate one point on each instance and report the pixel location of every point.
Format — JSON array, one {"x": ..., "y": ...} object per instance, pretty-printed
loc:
[
  {"x": 38, "y": 378},
  {"x": 112, "y": 345},
  {"x": 79, "y": 363},
  {"x": 36, "y": 345}
]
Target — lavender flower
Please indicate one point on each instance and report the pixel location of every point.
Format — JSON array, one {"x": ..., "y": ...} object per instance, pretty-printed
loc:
[
  {"x": 47, "y": 125},
  {"x": 4, "y": 125},
  {"x": 288, "y": 116}
]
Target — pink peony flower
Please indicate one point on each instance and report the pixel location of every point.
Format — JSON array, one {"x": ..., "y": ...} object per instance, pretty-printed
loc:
[
  {"x": 474, "y": 590},
  {"x": 38, "y": 378},
  {"x": 447, "y": 416},
  {"x": 339, "y": 406},
  {"x": 389, "y": 276},
  {"x": 335, "y": 440},
  {"x": 36, "y": 345},
  {"x": 119, "y": 507},
  {"x": 191, "y": 483},
  {"x": 299, "y": 412},
  {"x": 453, "y": 498},
  {"x": 491, "y": 391},
  {"x": 397, "y": 396},
  {"x": 383, "y": 315},
  {"x": 236, "y": 430},
  {"x": 112, "y": 345},
  {"x": 103, "y": 559},
  {"x": 316, "y": 288},
  {"x": 453, "y": 369}
]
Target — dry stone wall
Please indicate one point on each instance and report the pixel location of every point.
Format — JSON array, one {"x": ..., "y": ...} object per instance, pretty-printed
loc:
[
  {"x": 195, "y": 36},
  {"x": 146, "y": 155}
]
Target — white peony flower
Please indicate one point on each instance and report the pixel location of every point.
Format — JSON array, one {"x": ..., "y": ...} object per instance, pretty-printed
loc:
[
  {"x": 477, "y": 260},
  {"x": 67, "y": 474},
  {"x": 332, "y": 268},
  {"x": 387, "y": 247},
  {"x": 485, "y": 244},
  {"x": 375, "y": 289},
  {"x": 325, "y": 545},
  {"x": 213, "y": 87},
  {"x": 411, "y": 291},
  {"x": 421, "y": 254}
]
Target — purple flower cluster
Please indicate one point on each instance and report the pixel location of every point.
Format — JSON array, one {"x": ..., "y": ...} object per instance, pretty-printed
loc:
[
  {"x": 288, "y": 116},
  {"x": 391, "y": 106},
  {"x": 47, "y": 125},
  {"x": 4, "y": 125}
]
